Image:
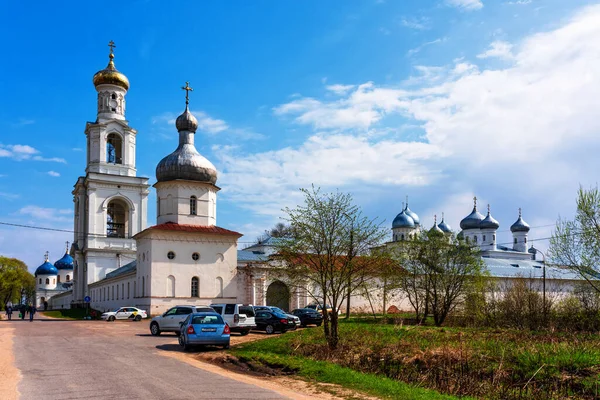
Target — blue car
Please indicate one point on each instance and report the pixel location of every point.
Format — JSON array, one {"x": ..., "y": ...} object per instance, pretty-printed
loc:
[{"x": 204, "y": 328}]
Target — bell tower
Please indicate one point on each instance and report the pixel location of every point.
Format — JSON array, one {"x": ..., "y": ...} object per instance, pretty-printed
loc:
[{"x": 110, "y": 200}]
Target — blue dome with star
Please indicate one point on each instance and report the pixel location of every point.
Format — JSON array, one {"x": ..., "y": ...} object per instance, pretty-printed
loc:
[
  {"x": 66, "y": 262},
  {"x": 46, "y": 269}
]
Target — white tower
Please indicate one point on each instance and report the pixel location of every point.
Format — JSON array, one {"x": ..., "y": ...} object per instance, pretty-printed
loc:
[
  {"x": 45, "y": 275},
  {"x": 110, "y": 201},
  {"x": 520, "y": 229},
  {"x": 470, "y": 225}
]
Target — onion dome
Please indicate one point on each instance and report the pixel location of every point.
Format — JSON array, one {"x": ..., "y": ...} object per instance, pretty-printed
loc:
[
  {"x": 46, "y": 268},
  {"x": 110, "y": 75},
  {"x": 520, "y": 225},
  {"x": 435, "y": 229},
  {"x": 403, "y": 220},
  {"x": 472, "y": 220},
  {"x": 489, "y": 222},
  {"x": 185, "y": 162},
  {"x": 66, "y": 262},
  {"x": 444, "y": 227},
  {"x": 412, "y": 214}
]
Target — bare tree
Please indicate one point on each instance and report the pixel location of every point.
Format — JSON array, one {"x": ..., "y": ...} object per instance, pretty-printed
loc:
[
  {"x": 328, "y": 254},
  {"x": 576, "y": 244}
]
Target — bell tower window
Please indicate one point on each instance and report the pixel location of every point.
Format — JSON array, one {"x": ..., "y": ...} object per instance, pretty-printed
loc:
[
  {"x": 114, "y": 149},
  {"x": 116, "y": 219},
  {"x": 193, "y": 204}
]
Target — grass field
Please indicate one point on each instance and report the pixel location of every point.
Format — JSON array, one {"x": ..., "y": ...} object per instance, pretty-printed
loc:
[
  {"x": 71, "y": 313},
  {"x": 391, "y": 361}
]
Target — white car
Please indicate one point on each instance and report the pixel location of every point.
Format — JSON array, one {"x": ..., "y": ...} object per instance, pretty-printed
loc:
[{"x": 131, "y": 313}]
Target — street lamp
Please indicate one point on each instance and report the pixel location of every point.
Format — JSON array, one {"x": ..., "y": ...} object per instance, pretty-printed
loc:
[{"x": 535, "y": 251}]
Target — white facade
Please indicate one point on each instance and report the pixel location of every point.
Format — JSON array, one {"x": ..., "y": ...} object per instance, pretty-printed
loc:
[{"x": 186, "y": 202}]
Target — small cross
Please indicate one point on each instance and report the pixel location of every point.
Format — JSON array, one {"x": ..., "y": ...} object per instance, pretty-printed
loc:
[
  {"x": 442, "y": 216},
  {"x": 187, "y": 89},
  {"x": 475, "y": 201},
  {"x": 519, "y": 211},
  {"x": 67, "y": 246},
  {"x": 47, "y": 256},
  {"x": 111, "y": 44},
  {"x": 435, "y": 219},
  {"x": 488, "y": 208}
]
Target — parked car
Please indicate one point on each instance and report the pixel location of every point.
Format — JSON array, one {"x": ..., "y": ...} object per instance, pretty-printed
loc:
[
  {"x": 319, "y": 308},
  {"x": 239, "y": 317},
  {"x": 169, "y": 321},
  {"x": 308, "y": 316},
  {"x": 292, "y": 316},
  {"x": 272, "y": 321},
  {"x": 202, "y": 329},
  {"x": 132, "y": 313}
]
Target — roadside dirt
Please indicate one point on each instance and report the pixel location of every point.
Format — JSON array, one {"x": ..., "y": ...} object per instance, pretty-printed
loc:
[{"x": 9, "y": 374}]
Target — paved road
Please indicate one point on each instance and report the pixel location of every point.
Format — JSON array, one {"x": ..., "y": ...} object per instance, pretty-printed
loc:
[{"x": 119, "y": 360}]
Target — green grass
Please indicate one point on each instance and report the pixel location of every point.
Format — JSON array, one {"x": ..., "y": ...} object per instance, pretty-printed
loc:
[
  {"x": 71, "y": 313},
  {"x": 386, "y": 360},
  {"x": 275, "y": 352}
]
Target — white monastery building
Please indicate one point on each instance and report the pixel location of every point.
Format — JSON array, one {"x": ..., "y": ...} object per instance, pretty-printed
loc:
[{"x": 117, "y": 260}]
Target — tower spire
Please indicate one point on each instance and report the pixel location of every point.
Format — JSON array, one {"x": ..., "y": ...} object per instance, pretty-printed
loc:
[
  {"x": 488, "y": 209},
  {"x": 475, "y": 203},
  {"x": 519, "y": 212}
]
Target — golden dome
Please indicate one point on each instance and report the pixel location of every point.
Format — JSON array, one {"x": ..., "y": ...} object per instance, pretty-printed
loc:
[{"x": 110, "y": 75}]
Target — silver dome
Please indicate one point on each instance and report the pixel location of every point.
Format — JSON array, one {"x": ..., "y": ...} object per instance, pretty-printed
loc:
[
  {"x": 412, "y": 214},
  {"x": 444, "y": 227},
  {"x": 435, "y": 230},
  {"x": 403, "y": 220},
  {"x": 520, "y": 225},
  {"x": 185, "y": 162},
  {"x": 489, "y": 222}
]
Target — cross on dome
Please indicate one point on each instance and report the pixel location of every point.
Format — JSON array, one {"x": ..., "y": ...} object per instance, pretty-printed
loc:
[
  {"x": 112, "y": 45},
  {"x": 187, "y": 89},
  {"x": 475, "y": 202},
  {"x": 46, "y": 256}
]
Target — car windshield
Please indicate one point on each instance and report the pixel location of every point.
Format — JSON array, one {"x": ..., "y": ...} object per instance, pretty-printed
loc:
[
  {"x": 207, "y": 319},
  {"x": 118, "y": 309}
]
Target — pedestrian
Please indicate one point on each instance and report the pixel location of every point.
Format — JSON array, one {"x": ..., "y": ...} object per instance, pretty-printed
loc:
[
  {"x": 32, "y": 311},
  {"x": 9, "y": 310},
  {"x": 22, "y": 311}
]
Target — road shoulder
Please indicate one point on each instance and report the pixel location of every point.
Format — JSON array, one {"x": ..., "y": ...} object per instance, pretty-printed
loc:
[{"x": 9, "y": 374}]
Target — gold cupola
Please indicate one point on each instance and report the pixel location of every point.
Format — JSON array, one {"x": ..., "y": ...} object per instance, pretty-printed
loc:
[{"x": 110, "y": 75}]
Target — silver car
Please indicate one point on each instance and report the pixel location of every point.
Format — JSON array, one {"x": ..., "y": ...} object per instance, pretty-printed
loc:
[{"x": 170, "y": 320}]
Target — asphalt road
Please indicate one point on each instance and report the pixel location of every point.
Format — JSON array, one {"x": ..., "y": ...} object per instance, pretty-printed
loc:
[{"x": 119, "y": 360}]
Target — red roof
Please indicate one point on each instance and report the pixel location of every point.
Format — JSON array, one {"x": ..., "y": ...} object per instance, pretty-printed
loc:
[{"x": 215, "y": 230}]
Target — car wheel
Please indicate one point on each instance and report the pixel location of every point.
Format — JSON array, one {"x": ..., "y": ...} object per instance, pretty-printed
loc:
[
  {"x": 269, "y": 329},
  {"x": 111, "y": 318},
  {"x": 138, "y": 318},
  {"x": 225, "y": 347},
  {"x": 302, "y": 325},
  {"x": 245, "y": 332},
  {"x": 154, "y": 329},
  {"x": 177, "y": 333},
  {"x": 181, "y": 342}
]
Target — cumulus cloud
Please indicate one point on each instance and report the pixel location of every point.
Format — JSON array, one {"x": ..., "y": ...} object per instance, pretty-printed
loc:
[
  {"x": 502, "y": 133},
  {"x": 22, "y": 152},
  {"x": 498, "y": 49},
  {"x": 339, "y": 89},
  {"x": 46, "y": 214},
  {"x": 467, "y": 5}
]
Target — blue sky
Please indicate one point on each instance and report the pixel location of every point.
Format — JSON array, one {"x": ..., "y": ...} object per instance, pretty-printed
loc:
[{"x": 438, "y": 100}]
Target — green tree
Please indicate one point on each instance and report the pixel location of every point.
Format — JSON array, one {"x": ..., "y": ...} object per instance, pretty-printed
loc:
[
  {"x": 329, "y": 252},
  {"x": 16, "y": 281},
  {"x": 437, "y": 273},
  {"x": 575, "y": 243}
]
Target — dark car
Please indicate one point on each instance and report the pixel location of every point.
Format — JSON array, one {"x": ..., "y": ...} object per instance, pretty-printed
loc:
[
  {"x": 308, "y": 316},
  {"x": 270, "y": 321}
]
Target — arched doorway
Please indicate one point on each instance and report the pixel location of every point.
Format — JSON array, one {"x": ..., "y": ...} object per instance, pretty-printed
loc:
[{"x": 278, "y": 295}]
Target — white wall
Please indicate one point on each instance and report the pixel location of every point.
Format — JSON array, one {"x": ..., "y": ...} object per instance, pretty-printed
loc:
[{"x": 173, "y": 203}]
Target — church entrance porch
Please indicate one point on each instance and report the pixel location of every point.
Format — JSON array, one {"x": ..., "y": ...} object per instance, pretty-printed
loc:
[{"x": 278, "y": 295}]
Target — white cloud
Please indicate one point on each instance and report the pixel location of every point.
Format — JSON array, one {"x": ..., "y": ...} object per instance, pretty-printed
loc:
[
  {"x": 519, "y": 2},
  {"x": 467, "y": 5},
  {"x": 418, "y": 49},
  {"x": 22, "y": 152},
  {"x": 23, "y": 122},
  {"x": 415, "y": 23},
  {"x": 526, "y": 128},
  {"x": 339, "y": 89},
  {"x": 205, "y": 122},
  {"x": 54, "y": 174},
  {"x": 9, "y": 196},
  {"x": 46, "y": 214},
  {"x": 498, "y": 49}
]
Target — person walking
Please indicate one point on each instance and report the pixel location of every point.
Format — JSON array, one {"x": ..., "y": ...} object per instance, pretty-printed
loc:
[
  {"x": 32, "y": 311},
  {"x": 22, "y": 311},
  {"x": 9, "y": 310}
]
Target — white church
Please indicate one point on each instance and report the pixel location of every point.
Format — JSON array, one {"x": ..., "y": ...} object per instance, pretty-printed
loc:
[{"x": 116, "y": 259}]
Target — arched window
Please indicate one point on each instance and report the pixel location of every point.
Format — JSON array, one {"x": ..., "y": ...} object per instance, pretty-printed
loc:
[
  {"x": 193, "y": 204},
  {"x": 170, "y": 286},
  {"x": 113, "y": 292},
  {"x": 483, "y": 238},
  {"x": 515, "y": 241},
  {"x": 402, "y": 237},
  {"x": 127, "y": 289},
  {"x": 134, "y": 287},
  {"x": 114, "y": 149},
  {"x": 122, "y": 290},
  {"x": 219, "y": 286},
  {"x": 68, "y": 278},
  {"x": 58, "y": 277},
  {"x": 40, "y": 281},
  {"x": 143, "y": 287},
  {"x": 195, "y": 285},
  {"x": 117, "y": 292},
  {"x": 494, "y": 237},
  {"x": 117, "y": 216},
  {"x": 524, "y": 240},
  {"x": 47, "y": 281},
  {"x": 474, "y": 239}
]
